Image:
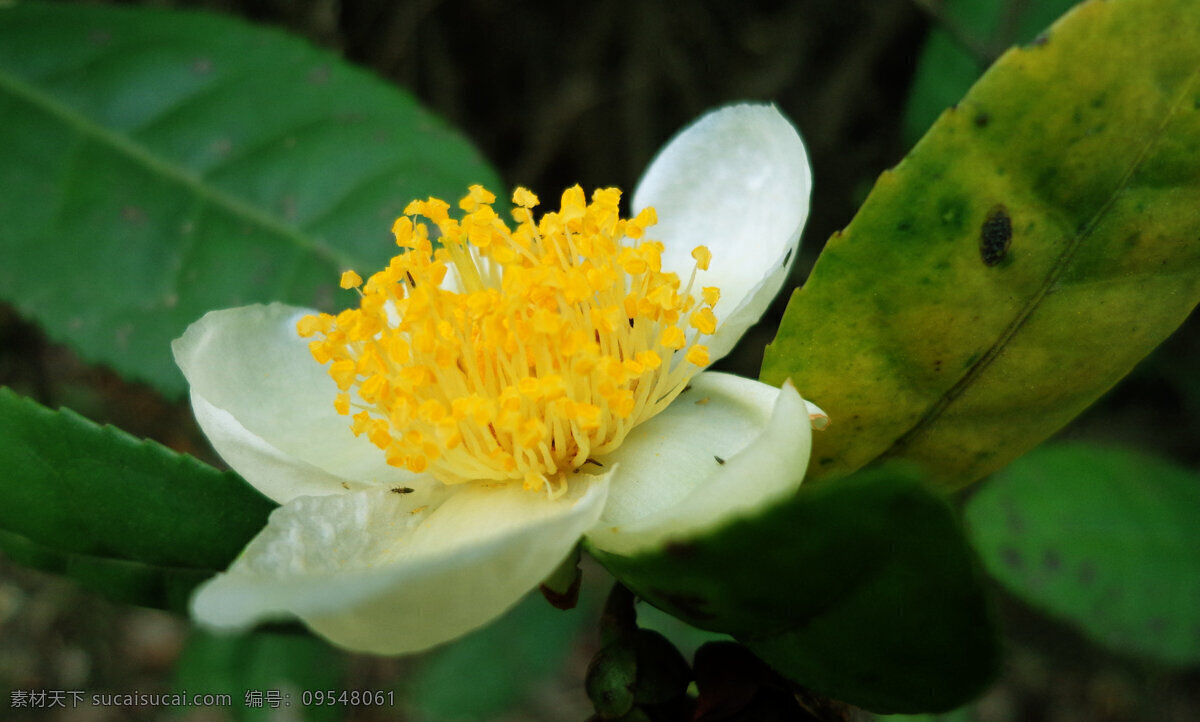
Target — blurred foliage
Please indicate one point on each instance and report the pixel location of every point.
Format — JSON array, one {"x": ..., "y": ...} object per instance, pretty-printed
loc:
[
  {"x": 251, "y": 667},
  {"x": 1102, "y": 537},
  {"x": 968, "y": 36},
  {"x": 498, "y": 667}
]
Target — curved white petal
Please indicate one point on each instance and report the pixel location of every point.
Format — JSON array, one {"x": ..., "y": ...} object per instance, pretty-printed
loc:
[
  {"x": 738, "y": 181},
  {"x": 389, "y": 573},
  {"x": 267, "y": 406},
  {"x": 722, "y": 449},
  {"x": 280, "y": 476}
]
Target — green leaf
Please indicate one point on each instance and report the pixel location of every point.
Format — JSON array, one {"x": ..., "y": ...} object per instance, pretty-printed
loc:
[
  {"x": 158, "y": 165},
  {"x": 929, "y": 335},
  {"x": 966, "y": 33},
  {"x": 131, "y": 582},
  {"x": 467, "y": 681},
  {"x": 1104, "y": 538},
  {"x": 267, "y": 673},
  {"x": 863, "y": 590},
  {"x": 123, "y": 515}
]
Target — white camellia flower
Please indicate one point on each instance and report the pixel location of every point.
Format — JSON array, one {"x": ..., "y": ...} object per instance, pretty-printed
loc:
[{"x": 442, "y": 449}]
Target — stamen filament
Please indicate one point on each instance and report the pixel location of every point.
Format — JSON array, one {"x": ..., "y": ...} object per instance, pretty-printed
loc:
[{"x": 557, "y": 338}]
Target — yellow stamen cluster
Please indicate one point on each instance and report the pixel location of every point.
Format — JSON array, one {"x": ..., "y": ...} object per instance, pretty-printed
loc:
[{"x": 514, "y": 353}]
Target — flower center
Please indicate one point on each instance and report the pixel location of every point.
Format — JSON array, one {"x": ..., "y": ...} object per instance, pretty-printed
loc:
[{"x": 514, "y": 353}]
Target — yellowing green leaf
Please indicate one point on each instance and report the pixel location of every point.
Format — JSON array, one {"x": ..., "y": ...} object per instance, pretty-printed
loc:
[{"x": 1039, "y": 241}]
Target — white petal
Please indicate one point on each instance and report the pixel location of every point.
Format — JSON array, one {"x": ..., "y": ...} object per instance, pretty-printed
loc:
[
  {"x": 738, "y": 181},
  {"x": 280, "y": 476},
  {"x": 389, "y": 573},
  {"x": 267, "y": 406},
  {"x": 723, "y": 449}
]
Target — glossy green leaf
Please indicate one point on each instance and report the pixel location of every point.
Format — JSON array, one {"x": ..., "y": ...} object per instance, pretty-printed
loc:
[
  {"x": 1037, "y": 243},
  {"x": 148, "y": 585},
  {"x": 966, "y": 35},
  {"x": 1105, "y": 538},
  {"x": 467, "y": 680},
  {"x": 128, "y": 517},
  {"x": 160, "y": 164},
  {"x": 863, "y": 590},
  {"x": 267, "y": 674}
]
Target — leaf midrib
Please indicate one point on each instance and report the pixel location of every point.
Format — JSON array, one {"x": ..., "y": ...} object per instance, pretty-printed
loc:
[
  {"x": 1056, "y": 271},
  {"x": 145, "y": 157}
]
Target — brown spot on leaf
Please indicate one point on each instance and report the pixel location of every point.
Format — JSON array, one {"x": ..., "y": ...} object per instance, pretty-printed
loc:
[
  {"x": 680, "y": 550},
  {"x": 134, "y": 215},
  {"x": 690, "y": 604},
  {"x": 566, "y": 599},
  {"x": 1012, "y": 558},
  {"x": 319, "y": 75},
  {"x": 995, "y": 235},
  {"x": 1087, "y": 573}
]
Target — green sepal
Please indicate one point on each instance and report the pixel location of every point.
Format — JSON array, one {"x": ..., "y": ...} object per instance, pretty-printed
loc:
[
  {"x": 864, "y": 591},
  {"x": 634, "y": 667}
]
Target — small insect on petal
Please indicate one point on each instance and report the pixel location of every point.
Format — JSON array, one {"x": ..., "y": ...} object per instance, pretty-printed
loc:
[{"x": 402, "y": 490}]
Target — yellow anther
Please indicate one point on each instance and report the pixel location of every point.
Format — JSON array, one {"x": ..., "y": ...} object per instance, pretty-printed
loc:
[
  {"x": 673, "y": 338},
  {"x": 524, "y": 198},
  {"x": 697, "y": 355},
  {"x": 477, "y": 196},
  {"x": 637, "y": 227},
  {"x": 551, "y": 341},
  {"x": 649, "y": 359},
  {"x": 311, "y": 325},
  {"x": 343, "y": 372},
  {"x": 703, "y": 257},
  {"x": 711, "y": 295},
  {"x": 704, "y": 321},
  {"x": 402, "y": 229}
]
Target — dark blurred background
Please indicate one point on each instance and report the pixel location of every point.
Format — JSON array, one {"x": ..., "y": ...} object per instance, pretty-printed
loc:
[{"x": 561, "y": 93}]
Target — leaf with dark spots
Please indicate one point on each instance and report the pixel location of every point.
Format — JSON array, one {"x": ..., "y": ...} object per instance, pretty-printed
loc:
[
  {"x": 1030, "y": 339},
  {"x": 1107, "y": 542},
  {"x": 196, "y": 158},
  {"x": 995, "y": 235}
]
